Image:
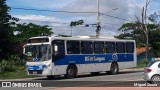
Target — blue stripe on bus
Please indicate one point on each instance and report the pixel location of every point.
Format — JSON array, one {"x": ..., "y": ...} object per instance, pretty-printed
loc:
[{"x": 89, "y": 59}]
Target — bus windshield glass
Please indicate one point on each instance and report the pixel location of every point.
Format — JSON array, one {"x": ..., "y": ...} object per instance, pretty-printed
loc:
[{"x": 38, "y": 52}]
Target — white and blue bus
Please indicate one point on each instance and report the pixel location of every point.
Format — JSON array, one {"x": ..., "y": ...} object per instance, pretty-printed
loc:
[{"x": 50, "y": 56}]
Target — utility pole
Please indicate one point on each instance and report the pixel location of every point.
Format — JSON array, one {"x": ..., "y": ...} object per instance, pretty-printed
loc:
[{"x": 98, "y": 20}]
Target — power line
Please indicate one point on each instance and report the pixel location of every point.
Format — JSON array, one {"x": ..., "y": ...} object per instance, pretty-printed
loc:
[
  {"x": 47, "y": 21},
  {"x": 40, "y": 10},
  {"x": 114, "y": 17}
]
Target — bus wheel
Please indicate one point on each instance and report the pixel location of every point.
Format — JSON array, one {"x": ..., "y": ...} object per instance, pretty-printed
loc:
[
  {"x": 51, "y": 77},
  {"x": 114, "y": 69},
  {"x": 71, "y": 72}
]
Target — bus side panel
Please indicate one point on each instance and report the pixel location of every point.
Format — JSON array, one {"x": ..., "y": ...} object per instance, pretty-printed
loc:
[
  {"x": 95, "y": 67},
  {"x": 124, "y": 65},
  {"x": 93, "y": 63},
  {"x": 60, "y": 69}
]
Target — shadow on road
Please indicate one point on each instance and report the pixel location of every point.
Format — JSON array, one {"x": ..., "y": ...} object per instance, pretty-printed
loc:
[{"x": 88, "y": 75}]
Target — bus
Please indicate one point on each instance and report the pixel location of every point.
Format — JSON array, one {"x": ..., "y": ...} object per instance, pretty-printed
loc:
[{"x": 69, "y": 56}]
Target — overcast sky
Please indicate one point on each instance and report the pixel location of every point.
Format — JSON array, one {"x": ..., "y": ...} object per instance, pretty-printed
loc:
[{"x": 123, "y": 9}]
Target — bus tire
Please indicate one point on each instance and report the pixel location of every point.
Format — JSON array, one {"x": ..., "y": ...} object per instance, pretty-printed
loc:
[
  {"x": 50, "y": 77},
  {"x": 71, "y": 72},
  {"x": 114, "y": 69}
]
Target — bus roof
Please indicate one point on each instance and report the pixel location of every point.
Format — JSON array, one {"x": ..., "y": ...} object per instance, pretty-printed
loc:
[{"x": 86, "y": 38}]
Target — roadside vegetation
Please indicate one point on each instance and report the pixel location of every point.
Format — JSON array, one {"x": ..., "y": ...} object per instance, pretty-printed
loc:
[
  {"x": 13, "y": 35},
  {"x": 142, "y": 64},
  {"x": 13, "y": 68}
]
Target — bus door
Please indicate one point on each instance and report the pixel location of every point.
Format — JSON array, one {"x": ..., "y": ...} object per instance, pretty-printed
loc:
[{"x": 58, "y": 50}]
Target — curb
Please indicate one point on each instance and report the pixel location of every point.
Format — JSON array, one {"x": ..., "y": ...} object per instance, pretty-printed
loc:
[{"x": 133, "y": 69}]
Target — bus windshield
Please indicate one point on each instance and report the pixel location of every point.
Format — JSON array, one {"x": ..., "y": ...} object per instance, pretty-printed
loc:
[{"x": 38, "y": 52}]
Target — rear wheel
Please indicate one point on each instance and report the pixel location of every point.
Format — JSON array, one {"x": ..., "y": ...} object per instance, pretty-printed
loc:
[
  {"x": 71, "y": 72},
  {"x": 114, "y": 69},
  {"x": 155, "y": 79}
]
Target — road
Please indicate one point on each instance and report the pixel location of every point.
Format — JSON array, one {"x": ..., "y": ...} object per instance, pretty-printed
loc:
[
  {"x": 122, "y": 76},
  {"x": 123, "y": 79},
  {"x": 126, "y": 79}
]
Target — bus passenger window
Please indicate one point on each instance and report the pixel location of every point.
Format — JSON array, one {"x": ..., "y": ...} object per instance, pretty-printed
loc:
[
  {"x": 73, "y": 47},
  {"x": 120, "y": 47},
  {"x": 98, "y": 47},
  {"x": 110, "y": 47},
  {"x": 130, "y": 47},
  {"x": 86, "y": 47}
]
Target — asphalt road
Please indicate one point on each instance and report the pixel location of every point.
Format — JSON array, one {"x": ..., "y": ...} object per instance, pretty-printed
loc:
[
  {"x": 125, "y": 75},
  {"x": 125, "y": 78}
]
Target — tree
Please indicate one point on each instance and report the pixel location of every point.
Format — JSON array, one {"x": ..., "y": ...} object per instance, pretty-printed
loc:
[
  {"x": 142, "y": 26},
  {"x": 6, "y": 31},
  {"x": 155, "y": 42},
  {"x": 134, "y": 31},
  {"x": 25, "y": 31},
  {"x": 76, "y": 23}
]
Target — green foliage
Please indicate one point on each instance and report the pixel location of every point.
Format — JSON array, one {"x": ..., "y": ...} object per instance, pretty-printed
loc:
[
  {"x": 6, "y": 32},
  {"x": 15, "y": 75},
  {"x": 11, "y": 64},
  {"x": 25, "y": 31},
  {"x": 142, "y": 64},
  {"x": 76, "y": 23},
  {"x": 61, "y": 35},
  {"x": 15, "y": 64},
  {"x": 135, "y": 31},
  {"x": 155, "y": 42}
]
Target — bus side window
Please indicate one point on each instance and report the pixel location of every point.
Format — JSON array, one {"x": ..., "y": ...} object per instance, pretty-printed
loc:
[
  {"x": 120, "y": 47},
  {"x": 98, "y": 47},
  {"x": 130, "y": 47},
  {"x": 86, "y": 47},
  {"x": 110, "y": 47},
  {"x": 73, "y": 47}
]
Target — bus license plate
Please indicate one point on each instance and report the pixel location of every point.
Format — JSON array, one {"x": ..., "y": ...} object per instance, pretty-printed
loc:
[{"x": 34, "y": 72}]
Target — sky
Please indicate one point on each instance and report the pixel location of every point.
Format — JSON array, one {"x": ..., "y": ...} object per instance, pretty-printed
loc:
[{"x": 123, "y": 10}]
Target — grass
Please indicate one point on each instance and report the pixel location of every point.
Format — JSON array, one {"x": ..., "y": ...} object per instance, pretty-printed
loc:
[
  {"x": 15, "y": 75},
  {"x": 19, "y": 73},
  {"x": 13, "y": 69}
]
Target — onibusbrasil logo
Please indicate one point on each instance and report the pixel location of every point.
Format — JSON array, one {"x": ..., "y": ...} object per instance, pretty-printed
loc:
[{"x": 21, "y": 84}]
